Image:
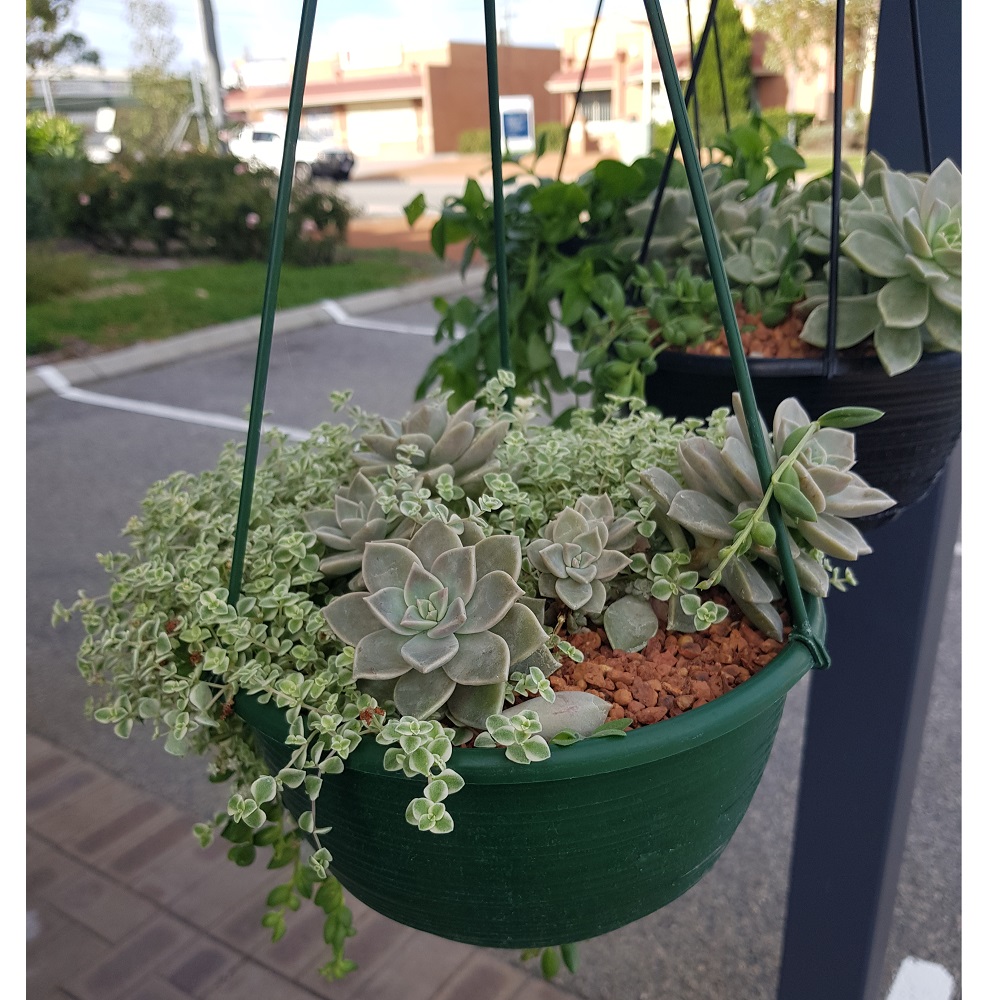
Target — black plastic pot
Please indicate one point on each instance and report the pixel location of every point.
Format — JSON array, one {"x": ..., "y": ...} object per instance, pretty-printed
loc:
[{"x": 902, "y": 453}]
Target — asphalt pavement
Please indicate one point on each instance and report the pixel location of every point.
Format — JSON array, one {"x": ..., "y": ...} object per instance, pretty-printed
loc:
[{"x": 100, "y": 431}]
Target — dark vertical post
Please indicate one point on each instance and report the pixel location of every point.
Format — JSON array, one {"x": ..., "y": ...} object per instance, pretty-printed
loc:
[{"x": 859, "y": 766}]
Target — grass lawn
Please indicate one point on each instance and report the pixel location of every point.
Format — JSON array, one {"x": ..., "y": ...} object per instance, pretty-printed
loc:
[
  {"x": 818, "y": 164},
  {"x": 109, "y": 302}
]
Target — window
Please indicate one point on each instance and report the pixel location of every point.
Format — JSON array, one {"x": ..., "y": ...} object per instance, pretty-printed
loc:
[{"x": 596, "y": 105}]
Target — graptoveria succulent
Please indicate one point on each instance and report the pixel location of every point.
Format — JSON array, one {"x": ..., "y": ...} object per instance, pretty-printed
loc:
[
  {"x": 721, "y": 505},
  {"x": 579, "y": 550},
  {"x": 355, "y": 520},
  {"x": 908, "y": 245},
  {"x": 439, "y": 621},
  {"x": 460, "y": 445}
]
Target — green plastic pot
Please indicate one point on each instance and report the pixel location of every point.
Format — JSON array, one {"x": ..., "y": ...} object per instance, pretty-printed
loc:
[{"x": 538, "y": 851}]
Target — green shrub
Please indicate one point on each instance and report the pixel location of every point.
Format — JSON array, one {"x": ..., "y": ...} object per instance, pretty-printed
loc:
[
  {"x": 51, "y": 135},
  {"x": 663, "y": 135},
  {"x": 477, "y": 140},
  {"x": 203, "y": 204},
  {"x": 778, "y": 119},
  {"x": 52, "y": 187},
  {"x": 474, "y": 140},
  {"x": 49, "y": 274}
]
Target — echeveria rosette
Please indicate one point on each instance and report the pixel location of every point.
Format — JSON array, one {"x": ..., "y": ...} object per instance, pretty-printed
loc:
[
  {"x": 446, "y": 443},
  {"x": 439, "y": 623},
  {"x": 579, "y": 550},
  {"x": 355, "y": 520},
  {"x": 908, "y": 244}
]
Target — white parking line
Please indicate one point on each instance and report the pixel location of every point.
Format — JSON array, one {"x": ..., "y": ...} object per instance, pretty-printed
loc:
[
  {"x": 337, "y": 313},
  {"x": 62, "y": 387},
  {"x": 920, "y": 980}
]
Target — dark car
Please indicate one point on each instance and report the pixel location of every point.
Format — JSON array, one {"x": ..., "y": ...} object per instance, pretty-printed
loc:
[{"x": 333, "y": 163}]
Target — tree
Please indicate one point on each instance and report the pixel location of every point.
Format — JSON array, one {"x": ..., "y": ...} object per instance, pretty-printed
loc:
[
  {"x": 735, "y": 45},
  {"x": 46, "y": 44},
  {"x": 795, "y": 26},
  {"x": 161, "y": 97}
]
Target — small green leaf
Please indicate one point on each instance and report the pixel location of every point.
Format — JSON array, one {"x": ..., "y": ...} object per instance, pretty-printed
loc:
[
  {"x": 613, "y": 727},
  {"x": 763, "y": 534},
  {"x": 794, "y": 502},
  {"x": 415, "y": 209},
  {"x": 565, "y": 738},
  {"x": 279, "y": 896},
  {"x": 789, "y": 476},
  {"x": 242, "y": 854},
  {"x": 550, "y": 963},
  {"x": 793, "y": 439},
  {"x": 264, "y": 789},
  {"x": 849, "y": 416},
  {"x": 570, "y": 956}
]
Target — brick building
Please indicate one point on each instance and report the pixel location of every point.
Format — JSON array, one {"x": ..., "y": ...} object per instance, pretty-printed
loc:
[{"x": 397, "y": 104}]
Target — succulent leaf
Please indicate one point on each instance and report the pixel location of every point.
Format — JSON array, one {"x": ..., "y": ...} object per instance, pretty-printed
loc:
[
  {"x": 578, "y": 711},
  {"x": 432, "y": 619},
  {"x": 817, "y": 493},
  {"x": 354, "y": 520},
  {"x": 461, "y": 444},
  {"x": 472, "y": 706}
]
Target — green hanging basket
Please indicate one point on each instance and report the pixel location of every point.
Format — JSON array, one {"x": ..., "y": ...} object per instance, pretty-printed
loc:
[{"x": 535, "y": 851}]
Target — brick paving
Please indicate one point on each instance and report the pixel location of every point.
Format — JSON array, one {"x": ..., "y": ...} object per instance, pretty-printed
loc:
[{"x": 122, "y": 904}]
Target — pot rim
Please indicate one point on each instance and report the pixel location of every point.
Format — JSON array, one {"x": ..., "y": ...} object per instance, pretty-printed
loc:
[
  {"x": 645, "y": 745},
  {"x": 845, "y": 364}
]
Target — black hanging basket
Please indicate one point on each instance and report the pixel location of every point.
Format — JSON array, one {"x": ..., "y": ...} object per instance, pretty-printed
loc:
[{"x": 904, "y": 452}]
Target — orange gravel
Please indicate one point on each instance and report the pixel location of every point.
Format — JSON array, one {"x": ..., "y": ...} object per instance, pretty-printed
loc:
[{"x": 677, "y": 671}]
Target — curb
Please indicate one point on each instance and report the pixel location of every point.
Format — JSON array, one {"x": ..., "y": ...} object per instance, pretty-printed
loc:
[{"x": 140, "y": 357}]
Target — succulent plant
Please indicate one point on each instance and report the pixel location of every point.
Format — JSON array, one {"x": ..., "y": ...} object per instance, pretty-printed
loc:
[
  {"x": 436, "y": 442},
  {"x": 579, "y": 550},
  {"x": 677, "y": 239},
  {"x": 721, "y": 495},
  {"x": 440, "y": 620},
  {"x": 769, "y": 270},
  {"x": 905, "y": 245},
  {"x": 355, "y": 520}
]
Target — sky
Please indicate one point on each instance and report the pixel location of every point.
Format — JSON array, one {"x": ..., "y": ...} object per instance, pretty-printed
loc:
[{"x": 269, "y": 28}]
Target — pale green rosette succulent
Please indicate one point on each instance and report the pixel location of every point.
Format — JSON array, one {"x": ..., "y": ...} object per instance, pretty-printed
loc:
[
  {"x": 355, "y": 520},
  {"x": 907, "y": 247},
  {"x": 435, "y": 442},
  {"x": 438, "y": 625},
  {"x": 579, "y": 550}
]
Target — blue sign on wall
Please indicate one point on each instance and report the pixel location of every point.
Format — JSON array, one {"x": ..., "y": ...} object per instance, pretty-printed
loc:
[{"x": 515, "y": 124}]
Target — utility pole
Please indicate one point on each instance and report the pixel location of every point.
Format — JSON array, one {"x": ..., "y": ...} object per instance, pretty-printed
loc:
[{"x": 213, "y": 73}]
